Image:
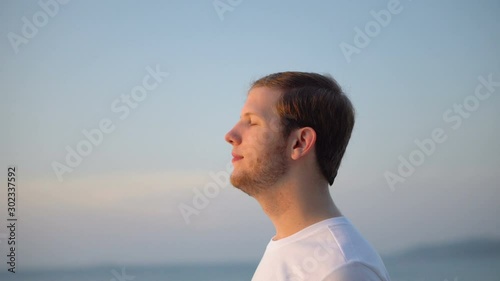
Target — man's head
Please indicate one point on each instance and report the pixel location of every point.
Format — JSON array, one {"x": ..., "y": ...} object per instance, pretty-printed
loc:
[{"x": 286, "y": 102}]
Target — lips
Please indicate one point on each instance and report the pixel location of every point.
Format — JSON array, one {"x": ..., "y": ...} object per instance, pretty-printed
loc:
[{"x": 236, "y": 157}]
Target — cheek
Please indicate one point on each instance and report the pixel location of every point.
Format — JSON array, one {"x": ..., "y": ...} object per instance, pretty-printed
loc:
[
  {"x": 262, "y": 139},
  {"x": 275, "y": 125},
  {"x": 256, "y": 144},
  {"x": 269, "y": 137}
]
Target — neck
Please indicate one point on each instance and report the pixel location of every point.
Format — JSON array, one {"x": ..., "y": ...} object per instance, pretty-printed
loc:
[{"x": 292, "y": 208}]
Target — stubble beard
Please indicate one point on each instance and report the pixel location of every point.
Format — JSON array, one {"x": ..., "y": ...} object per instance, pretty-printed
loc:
[{"x": 267, "y": 169}]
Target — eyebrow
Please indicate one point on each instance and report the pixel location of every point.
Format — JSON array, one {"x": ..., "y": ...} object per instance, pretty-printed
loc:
[{"x": 250, "y": 113}]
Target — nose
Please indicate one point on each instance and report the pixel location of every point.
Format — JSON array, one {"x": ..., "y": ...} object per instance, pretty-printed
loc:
[{"x": 232, "y": 137}]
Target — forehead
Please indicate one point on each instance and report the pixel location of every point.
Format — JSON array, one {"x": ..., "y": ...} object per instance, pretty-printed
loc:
[{"x": 261, "y": 101}]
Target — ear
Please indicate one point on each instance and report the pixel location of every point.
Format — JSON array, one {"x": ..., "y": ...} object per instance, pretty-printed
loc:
[{"x": 303, "y": 140}]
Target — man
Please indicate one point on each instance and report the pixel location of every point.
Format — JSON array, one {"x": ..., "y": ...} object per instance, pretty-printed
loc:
[{"x": 287, "y": 147}]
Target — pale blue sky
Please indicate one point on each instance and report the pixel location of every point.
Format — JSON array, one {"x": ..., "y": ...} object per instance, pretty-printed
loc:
[{"x": 66, "y": 77}]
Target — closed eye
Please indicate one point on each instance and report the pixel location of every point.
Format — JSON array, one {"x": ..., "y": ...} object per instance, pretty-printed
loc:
[{"x": 248, "y": 117}]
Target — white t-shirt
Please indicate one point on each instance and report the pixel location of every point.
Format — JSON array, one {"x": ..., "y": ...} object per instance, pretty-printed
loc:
[{"x": 330, "y": 250}]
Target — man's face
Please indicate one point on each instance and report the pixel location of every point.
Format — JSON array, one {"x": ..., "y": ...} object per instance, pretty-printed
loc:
[{"x": 259, "y": 149}]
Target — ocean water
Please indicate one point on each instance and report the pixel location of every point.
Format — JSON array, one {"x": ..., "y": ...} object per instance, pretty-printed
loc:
[
  {"x": 449, "y": 269},
  {"x": 187, "y": 272},
  {"x": 454, "y": 269}
]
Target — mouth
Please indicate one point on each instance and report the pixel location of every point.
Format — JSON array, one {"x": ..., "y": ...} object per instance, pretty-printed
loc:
[{"x": 236, "y": 157}]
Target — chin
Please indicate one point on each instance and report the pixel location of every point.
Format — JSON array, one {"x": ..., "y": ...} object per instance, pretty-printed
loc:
[{"x": 238, "y": 183}]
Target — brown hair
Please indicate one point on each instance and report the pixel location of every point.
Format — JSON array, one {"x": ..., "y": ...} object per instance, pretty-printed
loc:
[{"x": 316, "y": 101}]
